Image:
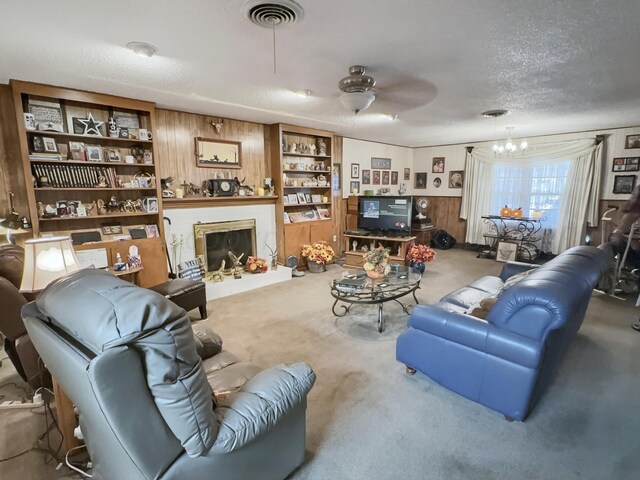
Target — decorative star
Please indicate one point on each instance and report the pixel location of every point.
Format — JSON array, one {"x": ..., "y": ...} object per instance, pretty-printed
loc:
[{"x": 91, "y": 126}]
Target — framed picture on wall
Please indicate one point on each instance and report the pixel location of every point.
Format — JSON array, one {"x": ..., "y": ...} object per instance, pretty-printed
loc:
[
  {"x": 628, "y": 164},
  {"x": 394, "y": 178},
  {"x": 385, "y": 178},
  {"x": 437, "y": 165},
  {"x": 420, "y": 180},
  {"x": 381, "y": 163},
  {"x": 366, "y": 177},
  {"x": 456, "y": 178},
  {"x": 376, "y": 177},
  {"x": 633, "y": 141},
  {"x": 214, "y": 153},
  {"x": 624, "y": 184},
  {"x": 354, "y": 188},
  {"x": 355, "y": 170},
  {"x": 407, "y": 174},
  {"x": 506, "y": 252}
]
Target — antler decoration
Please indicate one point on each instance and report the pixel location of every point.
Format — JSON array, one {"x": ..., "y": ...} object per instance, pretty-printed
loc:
[{"x": 217, "y": 124}]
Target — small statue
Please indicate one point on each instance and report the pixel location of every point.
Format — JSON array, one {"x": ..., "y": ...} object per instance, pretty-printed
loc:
[
  {"x": 91, "y": 209},
  {"x": 152, "y": 181},
  {"x": 274, "y": 256},
  {"x": 237, "y": 266},
  {"x": 218, "y": 275},
  {"x": 354, "y": 244},
  {"x": 165, "y": 184},
  {"x": 312, "y": 149},
  {"x": 101, "y": 208},
  {"x": 40, "y": 207},
  {"x": 112, "y": 206},
  {"x": 294, "y": 148},
  {"x": 322, "y": 147},
  {"x": 113, "y": 128},
  {"x": 137, "y": 205},
  {"x": 102, "y": 182}
]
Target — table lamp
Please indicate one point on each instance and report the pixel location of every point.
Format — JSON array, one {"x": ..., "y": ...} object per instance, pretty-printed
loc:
[{"x": 45, "y": 260}]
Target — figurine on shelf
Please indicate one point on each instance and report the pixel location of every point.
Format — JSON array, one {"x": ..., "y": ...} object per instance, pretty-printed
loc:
[
  {"x": 102, "y": 182},
  {"x": 133, "y": 259},
  {"x": 113, "y": 128},
  {"x": 165, "y": 184},
  {"x": 119, "y": 265},
  {"x": 312, "y": 149},
  {"x": 274, "y": 256},
  {"x": 218, "y": 275},
  {"x": 322, "y": 147},
  {"x": 91, "y": 209},
  {"x": 237, "y": 265},
  {"x": 102, "y": 210},
  {"x": 40, "y": 207},
  {"x": 112, "y": 206},
  {"x": 293, "y": 148}
]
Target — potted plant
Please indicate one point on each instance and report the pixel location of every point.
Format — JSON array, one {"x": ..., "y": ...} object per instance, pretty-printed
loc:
[
  {"x": 318, "y": 254},
  {"x": 376, "y": 262},
  {"x": 418, "y": 255}
]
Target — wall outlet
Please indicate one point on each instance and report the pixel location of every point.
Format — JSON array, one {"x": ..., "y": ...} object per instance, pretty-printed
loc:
[{"x": 335, "y": 238}]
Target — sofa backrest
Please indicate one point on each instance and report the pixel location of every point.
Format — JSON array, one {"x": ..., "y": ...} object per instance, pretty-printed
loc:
[
  {"x": 102, "y": 312},
  {"x": 552, "y": 296}
]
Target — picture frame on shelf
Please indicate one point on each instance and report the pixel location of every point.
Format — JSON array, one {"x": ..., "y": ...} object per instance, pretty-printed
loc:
[
  {"x": 152, "y": 231},
  {"x": 407, "y": 173},
  {"x": 111, "y": 229},
  {"x": 354, "y": 188},
  {"x": 301, "y": 198},
  {"x": 94, "y": 153},
  {"x": 375, "y": 177},
  {"x": 77, "y": 151},
  {"x": 126, "y": 120},
  {"x": 355, "y": 170},
  {"x": 624, "y": 184},
  {"x": 150, "y": 204},
  {"x": 213, "y": 153},
  {"x": 61, "y": 207},
  {"x": 316, "y": 198},
  {"x": 293, "y": 199},
  {"x": 437, "y": 165},
  {"x": 632, "y": 141},
  {"x": 420, "y": 181},
  {"x": 47, "y": 115},
  {"x": 385, "y": 177},
  {"x": 286, "y": 218},
  {"x": 394, "y": 178},
  {"x": 366, "y": 177},
  {"x": 37, "y": 144},
  {"x": 626, "y": 164},
  {"x": 143, "y": 134},
  {"x": 323, "y": 213},
  {"x": 113, "y": 155},
  {"x": 285, "y": 199},
  {"x": 380, "y": 163},
  {"x": 50, "y": 145},
  {"x": 307, "y": 197},
  {"x": 147, "y": 157},
  {"x": 456, "y": 178}
]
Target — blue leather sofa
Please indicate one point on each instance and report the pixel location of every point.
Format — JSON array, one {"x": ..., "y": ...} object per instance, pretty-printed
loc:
[{"x": 506, "y": 361}]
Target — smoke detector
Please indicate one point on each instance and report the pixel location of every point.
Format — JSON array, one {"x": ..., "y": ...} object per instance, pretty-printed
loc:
[
  {"x": 496, "y": 113},
  {"x": 277, "y": 13}
]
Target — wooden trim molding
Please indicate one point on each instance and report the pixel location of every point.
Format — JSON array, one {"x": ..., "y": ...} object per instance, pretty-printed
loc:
[{"x": 196, "y": 202}]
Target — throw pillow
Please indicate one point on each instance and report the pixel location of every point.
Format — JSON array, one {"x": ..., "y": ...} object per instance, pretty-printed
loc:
[{"x": 482, "y": 309}]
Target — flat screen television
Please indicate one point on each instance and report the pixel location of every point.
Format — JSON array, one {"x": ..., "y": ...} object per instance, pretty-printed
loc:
[{"x": 385, "y": 214}]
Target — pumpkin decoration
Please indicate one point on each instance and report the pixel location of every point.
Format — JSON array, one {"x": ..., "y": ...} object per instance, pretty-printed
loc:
[
  {"x": 517, "y": 213},
  {"x": 505, "y": 212}
]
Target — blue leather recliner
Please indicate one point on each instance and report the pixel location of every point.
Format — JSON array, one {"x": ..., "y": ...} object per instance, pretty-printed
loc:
[{"x": 506, "y": 361}]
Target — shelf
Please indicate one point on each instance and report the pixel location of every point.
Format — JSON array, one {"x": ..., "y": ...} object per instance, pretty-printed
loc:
[
  {"x": 80, "y": 162},
  {"x": 306, "y": 155},
  {"x": 97, "y": 217},
  {"x": 78, "y": 136},
  {"x": 305, "y": 204},
  {"x": 325, "y": 187},
  {"x": 307, "y": 171},
  {"x": 194, "y": 202},
  {"x": 308, "y": 221},
  {"x": 93, "y": 189}
]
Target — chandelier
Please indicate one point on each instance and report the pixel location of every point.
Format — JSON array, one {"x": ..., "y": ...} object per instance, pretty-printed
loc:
[{"x": 509, "y": 146}]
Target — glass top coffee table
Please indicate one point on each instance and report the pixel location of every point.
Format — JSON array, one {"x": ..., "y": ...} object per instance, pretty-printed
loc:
[{"x": 354, "y": 287}]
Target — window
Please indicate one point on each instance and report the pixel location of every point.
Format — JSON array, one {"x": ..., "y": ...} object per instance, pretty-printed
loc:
[{"x": 531, "y": 188}]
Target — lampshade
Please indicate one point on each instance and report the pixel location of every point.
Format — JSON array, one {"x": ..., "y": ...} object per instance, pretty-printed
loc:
[
  {"x": 357, "y": 101},
  {"x": 45, "y": 260}
]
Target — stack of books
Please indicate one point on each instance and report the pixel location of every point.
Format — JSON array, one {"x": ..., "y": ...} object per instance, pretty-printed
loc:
[{"x": 74, "y": 176}]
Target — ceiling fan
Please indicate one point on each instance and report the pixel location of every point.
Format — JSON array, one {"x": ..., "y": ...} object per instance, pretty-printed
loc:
[{"x": 356, "y": 95}]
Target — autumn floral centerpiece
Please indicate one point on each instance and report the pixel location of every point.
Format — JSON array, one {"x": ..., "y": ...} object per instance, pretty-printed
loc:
[
  {"x": 256, "y": 265},
  {"x": 376, "y": 262},
  {"x": 318, "y": 254},
  {"x": 418, "y": 255}
]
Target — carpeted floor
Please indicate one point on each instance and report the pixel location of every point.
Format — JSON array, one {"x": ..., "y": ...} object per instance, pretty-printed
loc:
[{"x": 367, "y": 419}]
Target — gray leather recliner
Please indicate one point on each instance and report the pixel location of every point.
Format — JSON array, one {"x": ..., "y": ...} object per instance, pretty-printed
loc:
[{"x": 126, "y": 357}]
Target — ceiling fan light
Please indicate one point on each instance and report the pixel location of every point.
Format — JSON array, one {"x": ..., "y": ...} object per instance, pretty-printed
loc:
[
  {"x": 142, "y": 49},
  {"x": 303, "y": 93},
  {"x": 357, "y": 101},
  {"x": 524, "y": 145}
]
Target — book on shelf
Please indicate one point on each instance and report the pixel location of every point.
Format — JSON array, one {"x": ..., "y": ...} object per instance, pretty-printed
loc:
[
  {"x": 286, "y": 218},
  {"x": 323, "y": 213},
  {"x": 296, "y": 217},
  {"x": 47, "y": 156},
  {"x": 74, "y": 176}
]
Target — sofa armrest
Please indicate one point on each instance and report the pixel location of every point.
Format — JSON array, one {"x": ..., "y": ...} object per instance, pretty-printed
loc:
[
  {"x": 513, "y": 268},
  {"x": 477, "y": 334},
  {"x": 260, "y": 404}
]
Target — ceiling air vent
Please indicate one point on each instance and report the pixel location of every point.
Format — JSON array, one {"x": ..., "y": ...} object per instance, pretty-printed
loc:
[
  {"x": 278, "y": 13},
  {"x": 495, "y": 113}
]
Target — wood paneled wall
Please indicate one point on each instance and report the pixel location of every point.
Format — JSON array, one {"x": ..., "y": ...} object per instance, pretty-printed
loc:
[
  {"x": 175, "y": 133},
  {"x": 338, "y": 204},
  {"x": 445, "y": 215},
  {"x": 11, "y": 172}
]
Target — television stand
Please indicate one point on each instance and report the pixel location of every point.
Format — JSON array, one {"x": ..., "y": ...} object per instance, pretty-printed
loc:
[{"x": 396, "y": 244}]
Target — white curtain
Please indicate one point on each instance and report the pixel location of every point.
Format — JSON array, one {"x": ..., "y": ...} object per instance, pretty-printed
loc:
[{"x": 580, "y": 199}]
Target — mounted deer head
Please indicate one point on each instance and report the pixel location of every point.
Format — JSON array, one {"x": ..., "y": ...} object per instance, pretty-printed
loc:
[{"x": 217, "y": 124}]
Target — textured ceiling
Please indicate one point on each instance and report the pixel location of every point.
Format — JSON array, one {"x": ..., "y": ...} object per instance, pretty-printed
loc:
[{"x": 559, "y": 65}]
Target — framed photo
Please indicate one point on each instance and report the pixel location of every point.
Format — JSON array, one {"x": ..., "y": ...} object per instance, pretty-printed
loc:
[
  {"x": 437, "y": 182},
  {"x": 50, "y": 144},
  {"x": 285, "y": 199},
  {"x": 77, "y": 151},
  {"x": 94, "y": 153},
  {"x": 376, "y": 177},
  {"x": 366, "y": 177},
  {"x": 152, "y": 231},
  {"x": 38, "y": 144},
  {"x": 354, "y": 188},
  {"x": 126, "y": 120},
  {"x": 113, "y": 155},
  {"x": 624, "y": 183},
  {"x": 506, "y": 252},
  {"x": 456, "y": 178},
  {"x": 437, "y": 165},
  {"x": 301, "y": 198},
  {"x": 324, "y": 213},
  {"x": 420, "y": 180},
  {"x": 316, "y": 198},
  {"x": 355, "y": 170},
  {"x": 286, "y": 218},
  {"x": 293, "y": 199},
  {"x": 212, "y": 153},
  {"x": 407, "y": 174},
  {"x": 147, "y": 157},
  {"x": 394, "y": 178},
  {"x": 115, "y": 229},
  {"x": 633, "y": 141},
  {"x": 307, "y": 197},
  {"x": 629, "y": 164},
  {"x": 47, "y": 114},
  {"x": 381, "y": 163},
  {"x": 385, "y": 177}
]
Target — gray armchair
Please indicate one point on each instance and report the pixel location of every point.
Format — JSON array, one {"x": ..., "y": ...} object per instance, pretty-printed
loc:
[{"x": 126, "y": 357}]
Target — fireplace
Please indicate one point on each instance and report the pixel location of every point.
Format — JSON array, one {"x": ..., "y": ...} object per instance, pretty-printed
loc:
[{"x": 213, "y": 241}]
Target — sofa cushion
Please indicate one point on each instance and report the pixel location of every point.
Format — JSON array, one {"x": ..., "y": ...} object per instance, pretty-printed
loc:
[
  {"x": 208, "y": 342},
  {"x": 512, "y": 280},
  {"x": 490, "y": 284},
  {"x": 465, "y": 297}
]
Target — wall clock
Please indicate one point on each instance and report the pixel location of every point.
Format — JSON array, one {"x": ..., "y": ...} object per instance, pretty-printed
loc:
[{"x": 223, "y": 187}]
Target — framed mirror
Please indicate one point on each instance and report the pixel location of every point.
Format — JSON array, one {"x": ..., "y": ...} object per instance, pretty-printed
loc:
[{"x": 213, "y": 153}]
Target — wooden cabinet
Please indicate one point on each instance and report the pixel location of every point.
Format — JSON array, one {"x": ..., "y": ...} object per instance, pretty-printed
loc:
[
  {"x": 89, "y": 164},
  {"x": 397, "y": 248},
  {"x": 302, "y": 164}
]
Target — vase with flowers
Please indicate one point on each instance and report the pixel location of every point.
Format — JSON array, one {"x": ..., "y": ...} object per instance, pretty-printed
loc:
[
  {"x": 318, "y": 254},
  {"x": 376, "y": 262},
  {"x": 418, "y": 255}
]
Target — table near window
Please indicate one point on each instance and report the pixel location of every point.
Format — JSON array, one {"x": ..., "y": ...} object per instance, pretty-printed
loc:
[{"x": 521, "y": 231}]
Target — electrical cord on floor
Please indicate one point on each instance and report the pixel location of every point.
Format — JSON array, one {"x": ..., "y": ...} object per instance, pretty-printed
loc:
[{"x": 72, "y": 467}]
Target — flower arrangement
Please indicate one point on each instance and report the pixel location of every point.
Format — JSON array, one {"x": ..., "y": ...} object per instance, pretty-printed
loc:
[
  {"x": 256, "y": 265},
  {"x": 421, "y": 254},
  {"x": 318, "y": 252},
  {"x": 377, "y": 261}
]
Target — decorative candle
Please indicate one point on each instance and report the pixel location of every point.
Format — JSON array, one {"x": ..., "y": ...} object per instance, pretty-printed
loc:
[
  {"x": 261, "y": 192},
  {"x": 325, "y": 199},
  {"x": 179, "y": 192}
]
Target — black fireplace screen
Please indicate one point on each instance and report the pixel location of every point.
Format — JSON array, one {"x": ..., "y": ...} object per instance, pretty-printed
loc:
[{"x": 218, "y": 245}]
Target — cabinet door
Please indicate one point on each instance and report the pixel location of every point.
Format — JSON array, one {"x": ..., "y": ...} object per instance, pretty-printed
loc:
[
  {"x": 322, "y": 231},
  {"x": 153, "y": 255},
  {"x": 295, "y": 235}
]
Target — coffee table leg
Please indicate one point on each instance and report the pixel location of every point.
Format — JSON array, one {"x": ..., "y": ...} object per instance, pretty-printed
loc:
[{"x": 380, "y": 320}]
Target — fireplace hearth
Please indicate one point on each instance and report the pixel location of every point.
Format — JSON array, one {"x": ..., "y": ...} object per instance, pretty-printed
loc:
[{"x": 213, "y": 241}]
